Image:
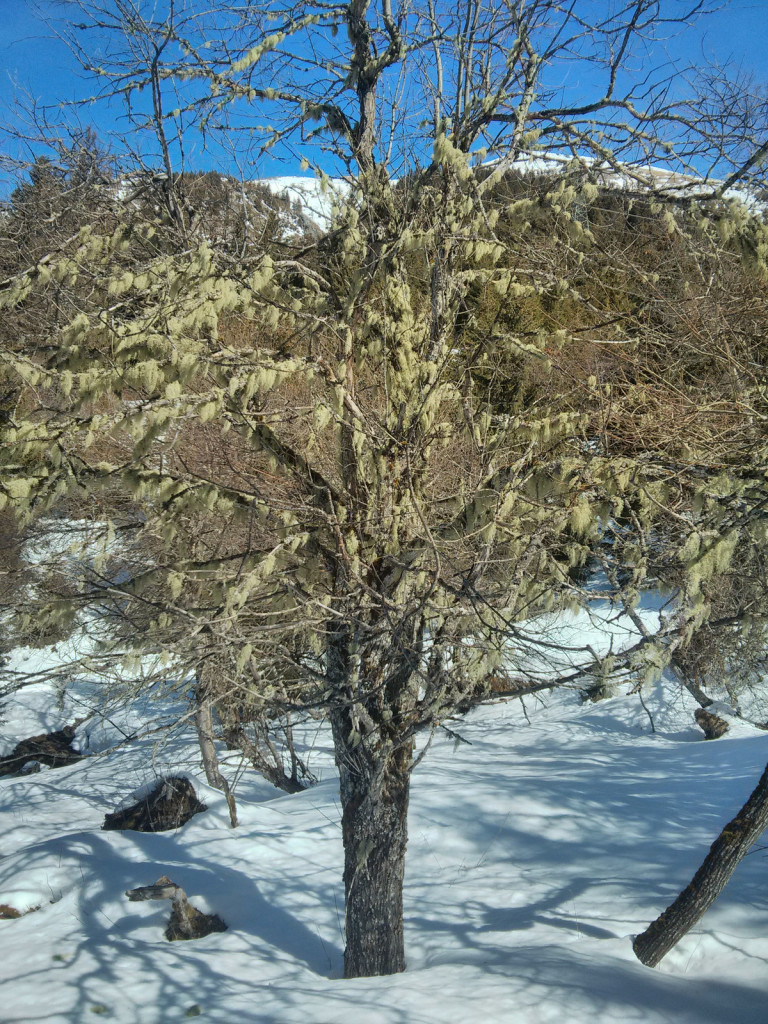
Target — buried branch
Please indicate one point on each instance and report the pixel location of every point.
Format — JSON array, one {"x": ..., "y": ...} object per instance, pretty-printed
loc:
[{"x": 187, "y": 922}]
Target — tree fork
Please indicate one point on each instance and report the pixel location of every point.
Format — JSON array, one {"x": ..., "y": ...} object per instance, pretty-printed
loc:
[{"x": 726, "y": 852}]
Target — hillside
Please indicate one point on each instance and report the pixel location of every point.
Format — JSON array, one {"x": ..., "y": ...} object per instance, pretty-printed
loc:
[{"x": 541, "y": 841}]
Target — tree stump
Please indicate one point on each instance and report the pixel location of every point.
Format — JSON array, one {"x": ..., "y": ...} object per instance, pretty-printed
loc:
[
  {"x": 53, "y": 749},
  {"x": 714, "y": 727},
  {"x": 169, "y": 805},
  {"x": 187, "y": 922}
]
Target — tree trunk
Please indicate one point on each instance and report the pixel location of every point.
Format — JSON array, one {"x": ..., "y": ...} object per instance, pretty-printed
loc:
[
  {"x": 375, "y": 782},
  {"x": 709, "y": 881},
  {"x": 691, "y": 683},
  {"x": 204, "y": 726}
]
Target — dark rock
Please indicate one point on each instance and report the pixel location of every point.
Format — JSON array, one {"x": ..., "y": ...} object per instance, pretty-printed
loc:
[
  {"x": 50, "y": 748},
  {"x": 169, "y": 805},
  {"x": 713, "y": 725}
]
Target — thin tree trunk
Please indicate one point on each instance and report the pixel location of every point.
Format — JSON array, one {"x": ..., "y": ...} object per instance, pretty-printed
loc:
[
  {"x": 697, "y": 693},
  {"x": 204, "y": 726},
  {"x": 691, "y": 683},
  {"x": 267, "y": 761},
  {"x": 375, "y": 784},
  {"x": 709, "y": 881}
]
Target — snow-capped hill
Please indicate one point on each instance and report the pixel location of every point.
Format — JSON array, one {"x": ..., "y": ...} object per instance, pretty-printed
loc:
[
  {"x": 662, "y": 181},
  {"x": 316, "y": 197}
]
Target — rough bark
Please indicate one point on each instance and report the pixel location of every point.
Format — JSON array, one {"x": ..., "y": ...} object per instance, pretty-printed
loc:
[
  {"x": 374, "y": 787},
  {"x": 712, "y": 725},
  {"x": 709, "y": 881},
  {"x": 696, "y": 692},
  {"x": 691, "y": 682}
]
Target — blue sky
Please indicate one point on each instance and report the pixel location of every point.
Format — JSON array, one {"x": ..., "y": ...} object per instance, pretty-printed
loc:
[{"x": 32, "y": 60}]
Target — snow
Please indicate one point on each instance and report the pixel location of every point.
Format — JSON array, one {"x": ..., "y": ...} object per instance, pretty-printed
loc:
[
  {"x": 635, "y": 177},
  {"x": 537, "y": 850},
  {"x": 317, "y": 197}
]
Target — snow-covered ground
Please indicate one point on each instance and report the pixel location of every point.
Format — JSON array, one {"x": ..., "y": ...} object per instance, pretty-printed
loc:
[{"x": 538, "y": 849}]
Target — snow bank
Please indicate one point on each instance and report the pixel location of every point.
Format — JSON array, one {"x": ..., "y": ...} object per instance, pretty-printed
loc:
[{"x": 537, "y": 851}]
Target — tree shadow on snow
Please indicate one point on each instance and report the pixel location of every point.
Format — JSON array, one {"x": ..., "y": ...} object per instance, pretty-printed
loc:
[{"x": 122, "y": 946}]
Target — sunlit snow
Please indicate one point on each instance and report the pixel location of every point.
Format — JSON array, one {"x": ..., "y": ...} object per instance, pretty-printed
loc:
[{"x": 537, "y": 850}]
